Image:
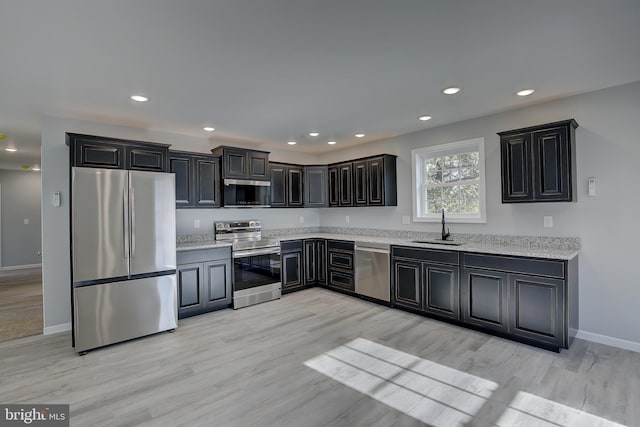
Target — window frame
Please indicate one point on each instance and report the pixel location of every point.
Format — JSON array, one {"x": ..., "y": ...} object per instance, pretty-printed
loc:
[{"x": 418, "y": 171}]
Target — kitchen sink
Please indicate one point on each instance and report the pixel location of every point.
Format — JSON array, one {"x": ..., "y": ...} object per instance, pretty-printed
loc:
[{"x": 439, "y": 242}]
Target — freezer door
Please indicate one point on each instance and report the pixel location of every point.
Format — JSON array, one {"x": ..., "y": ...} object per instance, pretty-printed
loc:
[
  {"x": 99, "y": 223},
  {"x": 114, "y": 312},
  {"x": 152, "y": 200}
]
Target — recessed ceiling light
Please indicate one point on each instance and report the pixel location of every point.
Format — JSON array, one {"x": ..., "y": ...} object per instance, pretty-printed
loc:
[
  {"x": 359, "y": 135},
  {"x": 331, "y": 142},
  {"x": 139, "y": 98},
  {"x": 525, "y": 92},
  {"x": 209, "y": 128},
  {"x": 291, "y": 142},
  {"x": 451, "y": 90},
  {"x": 35, "y": 168},
  {"x": 11, "y": 149},
  {"x": 314, "y": 133},
  {"x": 424, "y": 118}
]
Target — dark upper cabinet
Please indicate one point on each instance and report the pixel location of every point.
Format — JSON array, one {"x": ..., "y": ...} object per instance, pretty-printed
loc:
[
  {"x": 287, "y": 185},
  {"x": 341, "y": 184},
  {"x": 334, "y": 186},
  {"x": 316, "y": 180},
  {"x": 197, "y": 179},
  {"x": 240, "y": 163},
  {"x": 278, "y": 185},
  {"x": 111, "y": 153},
  {"x": 360, "y": 183},
  {"x": 382, "y": 182},
  {"x": 370, "y": 181},
  {"x": 538, "y": 163},
  {"x": 207, "y": 182}
]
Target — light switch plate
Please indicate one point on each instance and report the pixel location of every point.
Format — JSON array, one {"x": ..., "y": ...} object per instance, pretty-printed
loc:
[
  {"x": 26, "y": 221},
  {"x": 591, "y": 185},
  {"x": 196, "y": 223},
  {"x": 347, "y": 219},
  {"x": 301, "y": 219},
  {"x": 548, "y": 221}
]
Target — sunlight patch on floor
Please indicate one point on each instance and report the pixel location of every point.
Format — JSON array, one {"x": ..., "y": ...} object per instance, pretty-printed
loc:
[
  {"x": 427, "y": 391},
  {"x": 530, "y": 410}
]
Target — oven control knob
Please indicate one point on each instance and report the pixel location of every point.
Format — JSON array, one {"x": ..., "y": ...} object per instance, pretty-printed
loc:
[{"x": 252, "y": 224}]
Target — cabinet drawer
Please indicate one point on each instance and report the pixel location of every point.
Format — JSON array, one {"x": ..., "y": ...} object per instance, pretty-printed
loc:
[
  {"x": 341, "y": 280},
  {"x": 340, "y": 245},
  {"x": 430, "y": 255},
  {"x": 203, "y": 255},
  {"x": 539, "y": 267},
  {"x": 291, "y": 245},
  {"x": 340, "y": 260}
]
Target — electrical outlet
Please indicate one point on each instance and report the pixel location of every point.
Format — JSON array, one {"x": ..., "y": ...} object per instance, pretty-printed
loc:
[
  {"x": 26, "y": 221},
  {"x": 196, "y": 223},
  {"x": 406, "y": 219},
  {"x": 301, "y": 219},
  {"x": 548, "y": 221},
  {"x": 347, "y": 219}
]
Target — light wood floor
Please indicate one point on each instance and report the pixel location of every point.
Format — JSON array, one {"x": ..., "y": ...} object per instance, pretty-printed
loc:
[
  {"x": 310, "y": 359},
  {"x": 20, "y": 303}
]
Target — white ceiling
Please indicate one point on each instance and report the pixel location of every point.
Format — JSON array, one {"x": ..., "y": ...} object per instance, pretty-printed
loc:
[{"x": 270, "y": 70}]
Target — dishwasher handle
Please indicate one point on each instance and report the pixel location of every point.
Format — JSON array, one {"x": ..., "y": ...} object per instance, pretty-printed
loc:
[{"x": 376, "y": 250}]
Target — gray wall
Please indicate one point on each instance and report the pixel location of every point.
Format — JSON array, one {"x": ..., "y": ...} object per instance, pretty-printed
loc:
[
  {"x": 607, "y": 149},
  {"x": 20, "y": 200}
]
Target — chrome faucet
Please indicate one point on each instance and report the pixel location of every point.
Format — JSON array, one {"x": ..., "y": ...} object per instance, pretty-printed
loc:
[{"x": 445, "y": 235}]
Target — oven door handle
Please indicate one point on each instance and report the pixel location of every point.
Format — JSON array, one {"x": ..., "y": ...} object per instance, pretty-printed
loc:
[{"x": 255, "y": 252}]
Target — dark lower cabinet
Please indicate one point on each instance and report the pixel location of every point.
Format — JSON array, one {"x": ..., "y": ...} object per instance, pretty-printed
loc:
[
  {"x": 526, "y": 299},
  {"x": 310, "y": 262},
  {"x": 484, "y": 299},
  {"x": 197, "y": 179},
  {"x": 340, "y": 256},
  {"x": 292, "y": 265},
  {"x": 204, "y": 281},
  {"x": 427, "y": 281},
  {"x": 536, "y": 308},
  {"x": 407, "y": 283},
  {"x": 441, "y": 289},
  {"x": 321, "y": 261}
]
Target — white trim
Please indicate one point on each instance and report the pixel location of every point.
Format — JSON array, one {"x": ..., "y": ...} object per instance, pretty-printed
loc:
[
  {"x": 20, "y": 267},
  {"x": 56, "y": 329},
  {"x": 444, "y": 149},
  {"x": 607, "y": 340}
]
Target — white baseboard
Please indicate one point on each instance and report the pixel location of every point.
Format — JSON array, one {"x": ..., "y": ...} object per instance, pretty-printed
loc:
[
  {"x": 56, "y": 329},
  {"x": 607, "y": 340},
  {"x": 21, "y": 267}
]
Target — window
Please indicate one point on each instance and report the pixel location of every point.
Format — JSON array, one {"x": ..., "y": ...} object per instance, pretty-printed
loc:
[{"x": 449, "y": 177}]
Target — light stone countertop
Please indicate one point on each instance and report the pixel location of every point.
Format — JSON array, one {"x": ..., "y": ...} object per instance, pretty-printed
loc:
[
  {"x": 518, "y": 246},
  {"x": 475, "y": 247},
  {"x": 200, "y": 245}
]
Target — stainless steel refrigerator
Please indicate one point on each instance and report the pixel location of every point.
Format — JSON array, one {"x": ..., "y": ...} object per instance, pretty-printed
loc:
[{"x": 123, "y": 255}]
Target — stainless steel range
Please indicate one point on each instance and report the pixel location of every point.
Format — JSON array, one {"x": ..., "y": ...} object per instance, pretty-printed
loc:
[{"x": 256, "y": 262}]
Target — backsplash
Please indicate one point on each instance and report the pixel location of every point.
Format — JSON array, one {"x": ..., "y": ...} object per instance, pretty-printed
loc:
[{"x": 569, "y": 243}]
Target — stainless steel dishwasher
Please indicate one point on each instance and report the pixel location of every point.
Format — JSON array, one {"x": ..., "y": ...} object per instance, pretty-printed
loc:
[{"x": 372, "y": 270}]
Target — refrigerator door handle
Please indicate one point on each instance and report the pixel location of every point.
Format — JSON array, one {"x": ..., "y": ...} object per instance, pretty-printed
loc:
[
  {"x": 125, "y": 213},
  {"x": 132, "y": 209}
]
